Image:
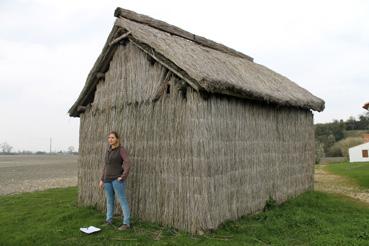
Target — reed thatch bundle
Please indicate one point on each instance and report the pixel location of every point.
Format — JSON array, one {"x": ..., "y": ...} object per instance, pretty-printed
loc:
[{"x": 211, "y": 134}]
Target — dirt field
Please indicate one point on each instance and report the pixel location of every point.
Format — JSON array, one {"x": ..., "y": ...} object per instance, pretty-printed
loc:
[{"x": 23, "y": 173}]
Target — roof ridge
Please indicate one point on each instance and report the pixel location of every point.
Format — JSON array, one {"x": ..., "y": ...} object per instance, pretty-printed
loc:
[{"x": 163, "y": 26}]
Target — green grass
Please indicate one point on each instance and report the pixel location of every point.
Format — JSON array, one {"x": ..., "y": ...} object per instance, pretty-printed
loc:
[
  {"x": 313, "y": 218},
  {"x": 356, "y": 171}
]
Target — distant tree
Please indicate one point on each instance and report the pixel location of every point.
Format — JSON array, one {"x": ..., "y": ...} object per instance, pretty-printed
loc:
[
  {"x": 5, "y": 148},
  {"x": 70, "y": 149},
  {"x": 363, "y": 122},
  {"x": 337, "y": 129},
  {"x": 334, "y": 151},
  {"x": 40, "y": 153},
  {"x": 330, "y": 133},
  {"x": 351, "y": 123},
  {"x": 319, "y": 151},
  {"x": 25, "y": 152},
  {"x": 347, "y": 143}
]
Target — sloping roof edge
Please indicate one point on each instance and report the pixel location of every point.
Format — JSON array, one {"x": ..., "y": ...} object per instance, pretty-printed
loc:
[
  {"x": 101, "y": 64},
  {"x": 163, "y": 26}
]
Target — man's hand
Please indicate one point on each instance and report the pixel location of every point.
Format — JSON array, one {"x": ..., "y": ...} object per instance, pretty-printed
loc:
[
  {"x": 101, "y": 184},
  {"x": 119, "y": 178}
]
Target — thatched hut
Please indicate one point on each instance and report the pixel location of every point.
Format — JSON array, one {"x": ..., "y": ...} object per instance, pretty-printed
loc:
[{"x": 211, "y": 134}]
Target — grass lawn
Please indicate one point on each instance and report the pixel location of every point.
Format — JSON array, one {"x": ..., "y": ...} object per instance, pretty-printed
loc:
[
  {"x": 51, "y": 218},
  {"x": 357, "y": 171}
]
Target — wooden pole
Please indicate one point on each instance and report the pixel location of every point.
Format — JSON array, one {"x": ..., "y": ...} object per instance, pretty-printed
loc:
[{"x": 123, "y": 36}]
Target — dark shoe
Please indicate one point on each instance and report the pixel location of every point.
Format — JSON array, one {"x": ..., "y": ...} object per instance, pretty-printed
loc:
[
  {"x": 124, "y": 227},
  {"x": 108, "y": 222}
]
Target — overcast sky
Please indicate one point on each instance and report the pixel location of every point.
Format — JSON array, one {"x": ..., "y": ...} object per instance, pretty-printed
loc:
[{"x": 48, "y": 47}]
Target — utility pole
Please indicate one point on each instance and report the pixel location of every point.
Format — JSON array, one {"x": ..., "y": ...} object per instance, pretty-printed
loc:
[{"x": 50, "y": 144}]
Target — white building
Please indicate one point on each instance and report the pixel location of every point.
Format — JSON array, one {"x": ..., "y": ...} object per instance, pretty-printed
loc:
[{"x": 359, "y": 153}]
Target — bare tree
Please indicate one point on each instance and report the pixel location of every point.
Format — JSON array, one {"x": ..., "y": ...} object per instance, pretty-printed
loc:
[
  {"x": 70, "y": 149},
  {"x": 5, "y": 147}
]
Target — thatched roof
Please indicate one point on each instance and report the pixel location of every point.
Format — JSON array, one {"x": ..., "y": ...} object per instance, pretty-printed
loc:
[{"x": 204, "y": 64}]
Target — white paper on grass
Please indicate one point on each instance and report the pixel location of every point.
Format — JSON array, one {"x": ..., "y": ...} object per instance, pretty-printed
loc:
[{"x": 90, "y": 229}]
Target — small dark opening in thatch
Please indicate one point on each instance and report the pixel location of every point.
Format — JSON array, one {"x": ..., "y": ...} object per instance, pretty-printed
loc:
[
  {"x": 204, "y": 94},
  {"x": 124, "y": 41},
  {"x": 183, "y": 93},
  {"x": 168, "y": 88},
  {"x": 151, "y": 60}
]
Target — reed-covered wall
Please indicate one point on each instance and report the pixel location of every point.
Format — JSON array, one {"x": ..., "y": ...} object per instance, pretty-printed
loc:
[
  {"x": 252, "y": 152},
  {"x": 195, "y": 162}
]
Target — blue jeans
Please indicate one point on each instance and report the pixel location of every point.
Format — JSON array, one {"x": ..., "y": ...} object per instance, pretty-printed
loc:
[{"x": 110, "y": 189}]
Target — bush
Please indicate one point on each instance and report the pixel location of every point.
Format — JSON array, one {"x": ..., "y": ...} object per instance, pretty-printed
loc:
[
  {"x": 347, "y": 143},
  {"x": 335, "y": 151},
  {"x": 319, "y": 151},
  {"x": 270, "y": 204}
]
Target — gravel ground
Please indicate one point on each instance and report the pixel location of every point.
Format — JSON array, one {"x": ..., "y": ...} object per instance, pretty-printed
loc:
[{"x": 24, "y": 173}]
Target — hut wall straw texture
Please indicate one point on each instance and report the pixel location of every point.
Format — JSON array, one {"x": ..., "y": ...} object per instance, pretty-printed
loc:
[{"x": 195, "y": 162}]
